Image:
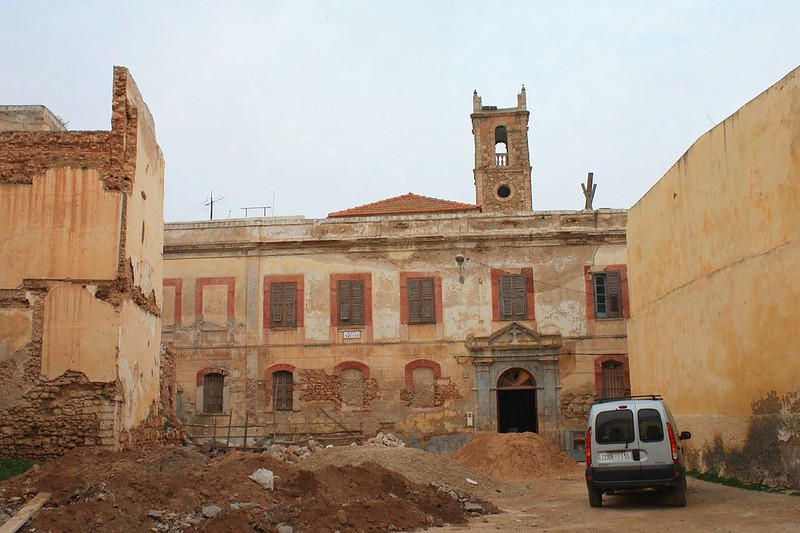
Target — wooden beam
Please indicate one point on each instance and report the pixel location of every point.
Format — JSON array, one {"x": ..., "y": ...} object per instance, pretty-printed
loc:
[{"x": 22, "y": 516}]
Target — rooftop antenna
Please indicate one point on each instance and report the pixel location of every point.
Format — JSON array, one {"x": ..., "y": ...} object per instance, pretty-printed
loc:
[{"x": 211, "y": 203}]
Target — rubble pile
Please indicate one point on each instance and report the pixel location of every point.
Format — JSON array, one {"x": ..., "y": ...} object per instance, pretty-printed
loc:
[
  {"x": 175, "y": 489},
  {"x": 385, "y": 439}
]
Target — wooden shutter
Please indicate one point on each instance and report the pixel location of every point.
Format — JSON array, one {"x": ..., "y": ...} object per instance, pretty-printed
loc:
[
  {"x": 513, "y": 297},
  {"x": 520, "y": 297},
  {"x": 506, "y": 301},
  {"x": 420, "y": 301},
  {"x": 357, "y": 302},
  {"x": 344, "y": 302},
  {"x": 277, "y": 304},
  {"x": 290, "y": 305},
  {"x": 614, "y": 295},
  {"x": 427, "y": 301},
  {"x": 414, "y": 307}
]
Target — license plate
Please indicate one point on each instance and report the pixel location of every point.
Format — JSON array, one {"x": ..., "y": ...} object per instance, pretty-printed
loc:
[{"x": 615, "y": 456}]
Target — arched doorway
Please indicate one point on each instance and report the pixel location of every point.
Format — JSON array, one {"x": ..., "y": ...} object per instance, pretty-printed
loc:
[{"x": 516, "y": 402}]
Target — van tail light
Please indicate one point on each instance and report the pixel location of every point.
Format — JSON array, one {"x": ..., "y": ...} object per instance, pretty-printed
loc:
[
  {"x": 673, "y": 443},
  {"x": 588, "y": 447}
]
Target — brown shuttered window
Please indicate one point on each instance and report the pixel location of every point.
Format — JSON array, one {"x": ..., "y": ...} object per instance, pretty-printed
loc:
[
  {"x": 282, "y": 390},
  {"x": 213, "y": 385},
  {"x": 513, "y": 298},
  {"x": 613, "y": 380},
  {"x": 608, "y": 295},
  {"x": 283, "y": 298},
  {"x": 420, "y": 301},
  {"x": 351, "y": 303}
]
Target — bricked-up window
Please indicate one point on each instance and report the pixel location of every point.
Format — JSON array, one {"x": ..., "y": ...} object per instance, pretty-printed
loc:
[
  {"x": 351, "y": 302},
  {"x": 282, "y": 390},
  {"x": 283, "y": 299},
  {"x": 613, "y": 380},
  {"x": 213, "y": 385},
  {"x": 424, "y": 392},
  {"x": 421, "y": 307},
  {"x": 607, "y": 295},
  {"x": 513, "y": 297}
]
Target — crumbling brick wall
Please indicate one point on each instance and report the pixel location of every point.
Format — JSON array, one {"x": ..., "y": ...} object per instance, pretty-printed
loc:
[
  {"x": 319, "y": 386},
  {"x": 51, "y": 403}
]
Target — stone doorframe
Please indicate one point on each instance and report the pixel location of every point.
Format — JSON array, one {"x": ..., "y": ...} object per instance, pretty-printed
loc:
[{"x": 516, "y": 346}]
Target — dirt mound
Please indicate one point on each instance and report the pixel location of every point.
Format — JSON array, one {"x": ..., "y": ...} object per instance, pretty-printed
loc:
[
  {"x": 516, "y": 457},
  {"x": 418, "y": 466},
  {"x": 179, "y": 489}
]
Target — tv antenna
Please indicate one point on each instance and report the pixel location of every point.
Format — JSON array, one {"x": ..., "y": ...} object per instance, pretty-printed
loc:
[{"x": 211, "y": 203}]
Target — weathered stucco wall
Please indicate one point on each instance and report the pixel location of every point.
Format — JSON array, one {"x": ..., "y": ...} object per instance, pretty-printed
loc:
[
  {"x": 216, "y": 274},
  {"x": 82, "y": 233},
  {"x": 67, "y": 212},
  {"x": 712, "y": 252}
]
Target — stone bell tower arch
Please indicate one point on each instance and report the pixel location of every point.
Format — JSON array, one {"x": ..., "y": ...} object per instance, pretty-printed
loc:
[{"x": 502, "y": 161}]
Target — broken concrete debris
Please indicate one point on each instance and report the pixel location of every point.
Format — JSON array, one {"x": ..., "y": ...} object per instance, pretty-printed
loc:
[{"x": 264, "y": 477}]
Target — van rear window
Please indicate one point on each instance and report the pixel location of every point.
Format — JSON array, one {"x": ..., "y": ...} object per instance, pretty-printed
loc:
[
  {"x": 614, "y": 427},
  {"x": 650, "y": 426}
]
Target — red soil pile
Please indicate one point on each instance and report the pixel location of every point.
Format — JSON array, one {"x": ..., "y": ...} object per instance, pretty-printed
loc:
[
  {"x": 167, "y": 489},
  {"x": 516, "y": 457}
]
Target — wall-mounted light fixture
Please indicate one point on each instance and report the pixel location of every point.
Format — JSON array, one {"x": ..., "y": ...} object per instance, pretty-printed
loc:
[{"x": 460, "y": 260}]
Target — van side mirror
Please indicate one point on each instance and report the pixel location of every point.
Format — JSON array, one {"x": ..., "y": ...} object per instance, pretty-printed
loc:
[{"x": 685, "y": 435}]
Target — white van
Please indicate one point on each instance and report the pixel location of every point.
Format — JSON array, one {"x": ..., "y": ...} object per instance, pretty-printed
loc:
[{"x": 633, "y": 443}]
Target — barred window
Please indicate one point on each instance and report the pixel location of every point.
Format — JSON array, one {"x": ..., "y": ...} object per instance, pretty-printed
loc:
[
  {"x": 282, "y": 390},
  {"x": 213, "y": 385}
]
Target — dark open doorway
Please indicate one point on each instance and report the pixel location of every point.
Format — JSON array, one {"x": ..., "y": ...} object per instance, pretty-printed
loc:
[{"x": 516, "y": 402}]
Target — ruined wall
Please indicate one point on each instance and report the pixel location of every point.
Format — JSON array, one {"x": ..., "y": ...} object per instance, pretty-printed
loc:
[
  {"x": 29, "y": 118},
  {"x": 215, "y": 302},
  {"x": 713, "y": 250},
  {"x": 80, "y": 288}
]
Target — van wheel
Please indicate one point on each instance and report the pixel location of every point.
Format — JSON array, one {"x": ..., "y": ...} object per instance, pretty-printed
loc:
[
  {"x": 679, "y": 495},
  {"x": 595, "y": 497}
]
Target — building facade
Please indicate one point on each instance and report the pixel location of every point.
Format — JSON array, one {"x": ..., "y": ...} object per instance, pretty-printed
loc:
[
  {"x": 81, "y": 227},
  {"x": 713, "y": 248},
  {"x": 413, "y": 315}
]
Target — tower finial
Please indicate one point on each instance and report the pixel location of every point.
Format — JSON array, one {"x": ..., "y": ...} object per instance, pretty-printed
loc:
[{"x": 476, "y": 101}]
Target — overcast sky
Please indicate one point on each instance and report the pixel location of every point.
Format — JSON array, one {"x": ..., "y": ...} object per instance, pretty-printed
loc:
[{"x": 324, "y": 105}]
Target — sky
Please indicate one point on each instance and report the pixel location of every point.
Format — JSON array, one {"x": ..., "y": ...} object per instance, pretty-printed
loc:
[{"x": 310, "y": 107}]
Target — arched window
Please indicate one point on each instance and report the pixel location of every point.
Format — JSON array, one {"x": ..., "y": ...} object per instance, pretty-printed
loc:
[
  {"x": 352, "y": 387},
  {"x": 213, "y": 386},
  {"x": 501, "y": 146},
  {"x": 282, "y": 390},
  {"x": 423, "y": 393}
]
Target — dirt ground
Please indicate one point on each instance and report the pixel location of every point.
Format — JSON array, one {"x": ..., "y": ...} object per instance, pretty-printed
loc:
[{"x": 360, "y": 488}]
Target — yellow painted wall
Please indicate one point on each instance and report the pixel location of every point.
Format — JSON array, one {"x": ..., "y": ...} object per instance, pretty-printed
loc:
[
  {"x": 66, "y": 215},
  {"x": 80, "y": 333},
  {"x": 712, "y": 255},
  {"x": 140, "y": 341},
  {"x": 16, "y": 326}
]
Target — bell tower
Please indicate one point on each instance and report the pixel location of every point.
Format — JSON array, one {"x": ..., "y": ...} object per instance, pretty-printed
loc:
[{"x": 502, "y": 162}]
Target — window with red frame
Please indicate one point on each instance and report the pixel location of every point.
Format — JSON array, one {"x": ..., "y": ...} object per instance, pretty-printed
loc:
[{"x": 351, "y": 302}]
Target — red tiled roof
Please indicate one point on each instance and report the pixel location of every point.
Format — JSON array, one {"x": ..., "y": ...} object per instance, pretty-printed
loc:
[{"x": 405, "y": 204}]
